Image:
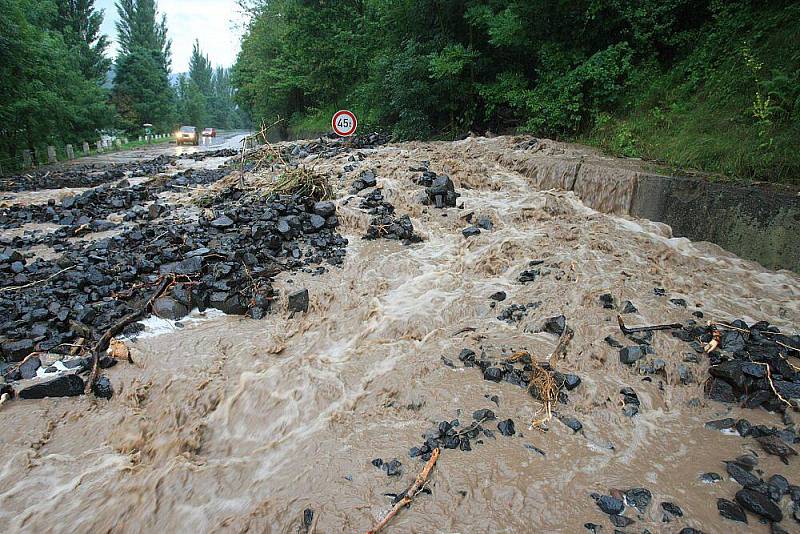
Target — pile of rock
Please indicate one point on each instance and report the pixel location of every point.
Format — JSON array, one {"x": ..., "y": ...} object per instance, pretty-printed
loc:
[
  {"x": 195, "y": 177},
  {"x": 225, "y": 260},
  {"x": 388, "y": 226},
  {"x": 365, "y": 180},
  {"x": 84, "y": 175},
  {"x": 450, "y": 435},
  {"x": 517, "y": 312},
  {"x": 762, "y": 498},
  {"x": 384, "y": 223},
  {"x": 205, "y": 154},
  {"x": 518, "y": 372},
  {"x": 442, "y": 192},
  {"x": 81, "y": 209},
  {"x": 748, "y": 363}
]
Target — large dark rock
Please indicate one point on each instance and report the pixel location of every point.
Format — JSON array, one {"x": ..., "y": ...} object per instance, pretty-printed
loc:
[
  {"x": 15, "y": 351},
  {"x": 608, "y": 504},
  {"x": 102, "y": 388},
  {"x": 317, "y": 222},
  {"x": 495, "y": 374},
  {"x": 731, "y": 372},
  {"x": 230, "y": 303},
  {"x": 68, "y": 385},
  {"x": 743, "y": 477},
  {"x": 169, "y": 308},
  {"x": 325, "y": 208},
  {"x": 632, "y": 354},
  {"x": 442, "y": 193},
  {"x": 721, "y": 391},
  {"x": 222, "y": 222},
  {"x": 470, "y": 231},
  {"x": 27, "y": 369},
  {"x": 555, "y": 325},
  {"x": 506, "y": 427},
  {"x": 298, "y": 301},
  {"x": 759, "y": 504},
  {"x": 571, "y": 422}
]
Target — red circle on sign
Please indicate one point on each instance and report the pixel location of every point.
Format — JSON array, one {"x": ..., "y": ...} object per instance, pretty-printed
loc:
[{"x": 344, "y": 123}]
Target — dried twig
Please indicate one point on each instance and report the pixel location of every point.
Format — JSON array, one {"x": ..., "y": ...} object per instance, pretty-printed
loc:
[
  {"x": 543, "y": 384},
  {"x": 771, "y": 385},
  {"x": 411, "y": 493},
  {"x": 37, "y": 282},
  {"x": 561, "y": 348},
  {"x": 302, "y": 181},
  {"x": 712, "y": 345},
  {"x": 635, "y": 329},
  {"x": 102, "y": 344},
  {"x": 471, "y": 427}
]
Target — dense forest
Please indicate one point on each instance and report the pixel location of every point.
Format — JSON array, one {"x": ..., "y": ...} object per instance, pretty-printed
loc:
[
  {"x": 54, "y": 72},
  {"x": 708, "y": 84}
]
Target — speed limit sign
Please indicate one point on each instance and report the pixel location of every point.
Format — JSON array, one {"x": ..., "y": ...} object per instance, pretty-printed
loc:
[{"x": 344, "y": 123}]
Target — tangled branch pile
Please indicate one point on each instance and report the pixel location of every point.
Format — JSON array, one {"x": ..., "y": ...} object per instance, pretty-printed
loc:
[{"x": 302, "y": 181}]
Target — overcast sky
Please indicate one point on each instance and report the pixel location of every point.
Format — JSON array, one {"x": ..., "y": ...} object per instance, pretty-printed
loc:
[{"x": 218, "y": 24}]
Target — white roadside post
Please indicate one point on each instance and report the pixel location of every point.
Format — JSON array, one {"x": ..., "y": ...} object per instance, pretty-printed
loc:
[
  {"x": 85, "y": 148},
  {"x": 70, "y": 152},
  {"x": 51, "y": 154}
]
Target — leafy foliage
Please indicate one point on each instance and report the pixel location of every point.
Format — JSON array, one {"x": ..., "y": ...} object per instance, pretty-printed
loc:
[
  {"x": 205, "y": 96},
  {"x": 50, "y": 93},
  {"x": 606, "y": 71},
  {"x": 142, "y": 92}
]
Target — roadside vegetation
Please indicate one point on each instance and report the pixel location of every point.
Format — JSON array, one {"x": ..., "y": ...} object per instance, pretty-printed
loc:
[
  {"x": 58, "y": 85},
  {"x": 706, "y": 84}
]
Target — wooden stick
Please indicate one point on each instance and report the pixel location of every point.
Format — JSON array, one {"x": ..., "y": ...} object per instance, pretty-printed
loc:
[
  {"x": 14, "y": 288},
  {"x": 561, "y": 348},
  {"x": 775, "y": 391},
  {"x": 412, "y": 491},
  {"x": 102, "y": 344},
  {"x": 634, "y": 329}
]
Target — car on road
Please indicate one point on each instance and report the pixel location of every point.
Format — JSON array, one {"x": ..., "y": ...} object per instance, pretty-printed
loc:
[
  {"x": 210, "y": 132},
  {"x": 187, "y": 135}
]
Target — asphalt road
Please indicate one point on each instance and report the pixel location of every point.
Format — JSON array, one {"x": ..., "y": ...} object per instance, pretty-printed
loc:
[{"x": 228, "y": 139}]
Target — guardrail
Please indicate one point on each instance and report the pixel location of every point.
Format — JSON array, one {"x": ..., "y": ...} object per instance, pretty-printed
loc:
[{"x": 29, "y": 159}]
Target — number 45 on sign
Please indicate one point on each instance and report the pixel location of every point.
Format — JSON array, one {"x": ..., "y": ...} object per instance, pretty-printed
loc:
[{"x": 344, "y": 123}]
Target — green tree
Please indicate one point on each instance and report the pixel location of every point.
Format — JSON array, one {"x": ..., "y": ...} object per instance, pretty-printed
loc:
[
  {"x": 46, "y": 97},
  {"x": 191, "y": 102},
  {"x": 142, "y": 92},
  {"x": 139, "y": 27},
  {"x": 200, "y": 70},
  {"x": 79, "y": 22}
]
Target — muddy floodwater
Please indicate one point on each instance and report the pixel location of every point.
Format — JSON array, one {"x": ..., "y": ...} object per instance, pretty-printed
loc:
[{"x": 229, "y": 424}]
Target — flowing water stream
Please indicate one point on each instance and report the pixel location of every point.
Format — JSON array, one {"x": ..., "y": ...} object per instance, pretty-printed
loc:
[{"x": 234, "y": 425}]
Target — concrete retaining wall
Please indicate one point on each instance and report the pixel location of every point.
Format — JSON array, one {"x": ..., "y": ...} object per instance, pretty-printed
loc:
[{"x": 753, "y": 222}]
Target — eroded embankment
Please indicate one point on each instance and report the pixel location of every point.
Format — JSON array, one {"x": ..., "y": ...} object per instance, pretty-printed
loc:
[{"x": 235, "y": 424}]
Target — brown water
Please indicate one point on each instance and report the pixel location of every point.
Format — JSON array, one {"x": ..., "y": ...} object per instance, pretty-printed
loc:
[{"x": 233, "y": 425}]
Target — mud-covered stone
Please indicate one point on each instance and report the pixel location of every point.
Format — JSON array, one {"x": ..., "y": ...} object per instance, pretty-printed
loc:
[
  {"x": 66, "y": 385},
  {"x": 298, "y": 301},
  {"x": 608, "y": 504},
  {"x": 506, "y": 427},
  {"x": 759, "y": 504}
]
